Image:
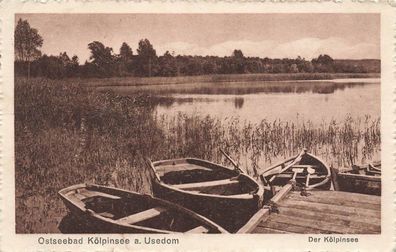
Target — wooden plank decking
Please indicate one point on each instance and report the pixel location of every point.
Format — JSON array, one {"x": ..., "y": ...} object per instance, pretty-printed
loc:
[{"x": 322, "y": 212}]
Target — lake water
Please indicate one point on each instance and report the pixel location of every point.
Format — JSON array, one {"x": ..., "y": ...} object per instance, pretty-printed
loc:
[
  {"x": 319, "y": 103},
  {"x": 291, "y": 101},
  {"x": 298, "y": 102}
]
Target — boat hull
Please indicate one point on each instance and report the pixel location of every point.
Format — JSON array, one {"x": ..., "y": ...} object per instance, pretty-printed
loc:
[
  {"x": 359, "y": 183},
  {"x": 230, "y": 213},
  {"x": 281, "y": 174},
  {"x": 230, "y": 207},
  {"x": 92, "y": 224},
  {"x": 112, "y": 210}
]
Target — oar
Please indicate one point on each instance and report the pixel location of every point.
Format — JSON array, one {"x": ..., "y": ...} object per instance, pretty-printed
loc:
[{"x": 232, "y": 161}]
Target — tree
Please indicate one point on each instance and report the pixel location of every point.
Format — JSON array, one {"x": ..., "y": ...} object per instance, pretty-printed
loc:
[
  {"x": 125, "y": 59},
  {"x": 238, "y": 54},
  {"x": 74, "y": 66},
  {"x": 70, "y": 65},
  {"x": 209, "y": 66},
  {"x": 147, "y": 59},
  {"x": 75, "y": 60},
  {"x": 293, "y": 68},
  {"x": 49, "y": 66},
  {"x": 27, "y": 42},
  {"x": 125, "y": 52},
  {"x": 324, "y": 63},
  {"x": 307, "y": 67},
  {"x": 324, "y": 59},
  {"x": 102, "y": 58},
  {"x": 167, "y": 65},
  {"x": 238, "y": 62},
  {"x": 64, "y": 58}
]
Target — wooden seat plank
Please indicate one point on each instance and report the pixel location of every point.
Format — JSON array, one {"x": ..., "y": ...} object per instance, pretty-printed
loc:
[
  {"x": 290, "y": 175},
  {"x": 207, "y": 184},
  {"x": 141, "y": 216},
  {"x": 89, "y": 194},
  {"x": 161, "y": 169},
  {"x": 198, "y": 230},
  {"x": 304, "y": 166}
]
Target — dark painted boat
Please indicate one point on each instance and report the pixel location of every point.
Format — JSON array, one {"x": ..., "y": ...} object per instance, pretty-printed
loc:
[
  {"x": 112, "y": 210},
  {"x": 224, "y": 195},
  {"x": 360, "y": 179},
  {"x": 305, "y": 169}
]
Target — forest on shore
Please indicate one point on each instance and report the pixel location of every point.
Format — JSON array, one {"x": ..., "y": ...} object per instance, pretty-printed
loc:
[{"x": 104, "y": 62}]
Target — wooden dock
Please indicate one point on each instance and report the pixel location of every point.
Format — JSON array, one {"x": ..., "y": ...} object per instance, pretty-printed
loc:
[{"x": 321, "y": 212}]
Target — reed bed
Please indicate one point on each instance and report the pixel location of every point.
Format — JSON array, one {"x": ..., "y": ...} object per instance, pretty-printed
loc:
[
  {"x": 66, "y": 134},
  {"x": 256, "y": 146}
]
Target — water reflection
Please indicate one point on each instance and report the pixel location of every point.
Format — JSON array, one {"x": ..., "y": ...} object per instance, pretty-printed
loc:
[
  {"x": 254, "y": 101},
  {"x": 238, "y": 102},
  {"x": 237, "y": 88},
  {"x": 357, "y": 100}
]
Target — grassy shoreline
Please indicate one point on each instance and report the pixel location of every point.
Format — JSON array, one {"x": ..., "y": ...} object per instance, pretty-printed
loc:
[{"x": 221, "y": 78}]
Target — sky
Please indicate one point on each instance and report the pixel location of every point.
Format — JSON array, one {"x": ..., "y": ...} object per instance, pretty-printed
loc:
[{"x": 342, "y": 36}]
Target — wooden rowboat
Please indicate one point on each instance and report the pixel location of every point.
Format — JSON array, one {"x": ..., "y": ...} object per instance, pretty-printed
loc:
[
  {"x": 305, "y": 169},
  {"x": 360, "y": 179},
  {"x": 112, "y": 210},
  {"x": 224, "y": 195}
]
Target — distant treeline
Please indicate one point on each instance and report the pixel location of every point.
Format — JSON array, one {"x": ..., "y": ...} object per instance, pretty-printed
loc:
[
  {"x": 117, "y": 65},
  {"x": 103, "y": 62}
]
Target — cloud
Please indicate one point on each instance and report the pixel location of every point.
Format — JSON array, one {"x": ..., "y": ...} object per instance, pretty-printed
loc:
[{"x": 308, "y": 48}]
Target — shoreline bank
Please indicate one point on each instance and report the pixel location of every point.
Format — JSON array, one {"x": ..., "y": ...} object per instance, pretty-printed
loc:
[{"x": 226, "y": 78}]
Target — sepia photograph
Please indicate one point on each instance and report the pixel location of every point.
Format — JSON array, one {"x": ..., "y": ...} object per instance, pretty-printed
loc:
[{"x": 237, "y": 123}]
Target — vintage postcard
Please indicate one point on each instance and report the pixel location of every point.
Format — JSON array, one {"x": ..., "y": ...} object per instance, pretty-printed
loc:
[{"x": 197, "y": 126}]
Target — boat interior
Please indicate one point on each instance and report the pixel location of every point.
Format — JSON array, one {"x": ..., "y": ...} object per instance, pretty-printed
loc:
[
  {"x": 368, "y": 170},
  {"x": 200, "y": 179},
  {"x": 318, "y": 172},
  {"x": 137, "y": 211}
]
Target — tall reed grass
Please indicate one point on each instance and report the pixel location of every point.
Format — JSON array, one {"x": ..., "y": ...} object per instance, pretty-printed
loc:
[
  {"x": 66, "y": 134},
  {"x": 256, "y": 146}
]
